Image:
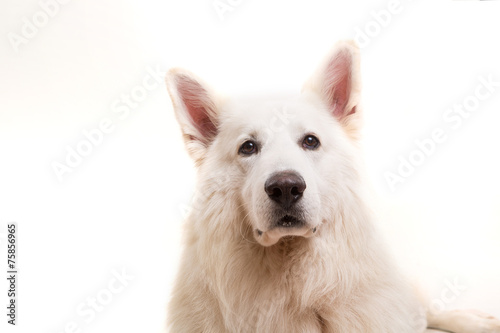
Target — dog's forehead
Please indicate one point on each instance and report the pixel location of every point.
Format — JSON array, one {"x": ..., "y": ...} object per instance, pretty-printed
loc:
[{"x": 265, "y": 113}]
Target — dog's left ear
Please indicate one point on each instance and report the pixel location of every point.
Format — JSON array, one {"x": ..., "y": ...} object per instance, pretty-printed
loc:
[{"x": 337, "y": 82}]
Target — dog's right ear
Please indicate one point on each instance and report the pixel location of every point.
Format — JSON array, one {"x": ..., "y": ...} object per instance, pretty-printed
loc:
[{"x": 195, "y": 109}]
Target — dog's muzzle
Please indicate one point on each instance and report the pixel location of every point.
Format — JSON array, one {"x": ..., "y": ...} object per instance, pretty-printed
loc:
[{"x": 285, "y": 189}]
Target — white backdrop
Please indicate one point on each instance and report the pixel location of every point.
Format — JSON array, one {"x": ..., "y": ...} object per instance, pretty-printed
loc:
[{"x": 99, "y": 234}]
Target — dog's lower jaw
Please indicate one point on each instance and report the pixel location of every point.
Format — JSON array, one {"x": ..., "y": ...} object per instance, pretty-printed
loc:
[{"x": 271, "y": 237}]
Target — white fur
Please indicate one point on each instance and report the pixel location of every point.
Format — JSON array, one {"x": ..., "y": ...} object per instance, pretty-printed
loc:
[{"x": 336, "y": 279}]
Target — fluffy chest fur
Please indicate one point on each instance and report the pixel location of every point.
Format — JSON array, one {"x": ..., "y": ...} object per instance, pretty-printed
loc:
[{"x": 328, "y": 283}]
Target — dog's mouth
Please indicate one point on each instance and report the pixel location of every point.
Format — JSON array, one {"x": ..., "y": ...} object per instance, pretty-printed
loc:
[
  {"x": 287, "y": 225},
  {"x": 289, "y": 221}
]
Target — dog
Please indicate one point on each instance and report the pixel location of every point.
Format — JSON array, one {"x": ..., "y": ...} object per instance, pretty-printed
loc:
[{"x": 281, "y": 237}]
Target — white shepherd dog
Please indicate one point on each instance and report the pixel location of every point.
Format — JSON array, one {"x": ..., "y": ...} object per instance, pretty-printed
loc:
[{"x": 281, "y": 237}]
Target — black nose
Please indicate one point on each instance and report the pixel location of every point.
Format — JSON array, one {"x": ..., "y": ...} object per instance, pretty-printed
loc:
[{"x": 285, "y": 187}]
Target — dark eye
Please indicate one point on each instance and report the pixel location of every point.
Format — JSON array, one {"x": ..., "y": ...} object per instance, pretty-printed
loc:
[
  {"x": 310, "y": 142},
  {"x": 248, "y": 148}
]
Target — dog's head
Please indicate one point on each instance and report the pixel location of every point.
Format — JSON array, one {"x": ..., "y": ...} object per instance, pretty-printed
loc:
[{"x": 287, "y": 161}]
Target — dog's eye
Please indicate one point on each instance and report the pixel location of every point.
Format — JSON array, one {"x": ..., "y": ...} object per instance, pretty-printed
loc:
[
  {"x": 310, "y": 142},
  {"x": 248, "y": 148}
]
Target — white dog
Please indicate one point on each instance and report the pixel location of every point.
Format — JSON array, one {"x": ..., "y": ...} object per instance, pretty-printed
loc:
[{"x": 280, "y": 238}]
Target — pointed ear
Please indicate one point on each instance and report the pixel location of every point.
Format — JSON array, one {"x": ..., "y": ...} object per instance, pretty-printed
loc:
[
  {"x": 195, "y": 109},
  {"x": 337, "y": 82}
]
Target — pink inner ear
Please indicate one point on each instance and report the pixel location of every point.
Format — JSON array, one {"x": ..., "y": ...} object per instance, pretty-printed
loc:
[
  {"x": 198, "y": 105},
  {"x": 337, "y": 86}
]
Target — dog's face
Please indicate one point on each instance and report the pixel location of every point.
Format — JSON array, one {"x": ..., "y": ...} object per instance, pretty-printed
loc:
[
  {"x": 281, "y": 152},
  {"x": 286, "y": 158}
]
